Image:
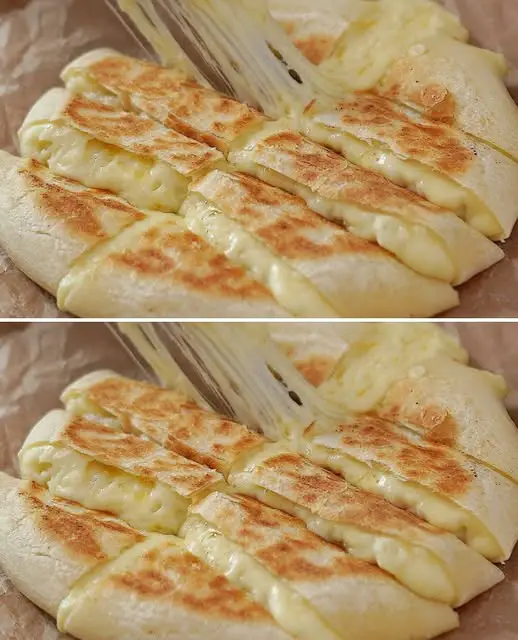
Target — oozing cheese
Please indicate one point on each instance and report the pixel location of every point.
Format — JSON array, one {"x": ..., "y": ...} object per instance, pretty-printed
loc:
[
  {"x": 408, "y": 173},
  {"x": 426, "y": 504},
  {"x": 415, "y": 245},
  {"x": 294, "y": 614},
  {"x": 150, "y": 506},
  {"x": 291, "y": 289},
  {"x": 146, "y": 183},
  {"x": 414, "y": 566}
]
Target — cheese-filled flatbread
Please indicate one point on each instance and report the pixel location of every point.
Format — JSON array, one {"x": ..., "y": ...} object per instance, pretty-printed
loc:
[
  {"x": 436, "y": 483},
  {"x": 312, "y": 589},
  {"x": 431, "y": 240},
  {"x": 441, "y": 163},
  {"x": 460, "y": 407},
  {"x": 160, "y": 268},
  {"x": 460, "y": 84},
  {"x": 429, "y": 561},
  {"x": 48, "y": 222},
  {"x": 167, "y": 417},
  {"x": 165, "y": 94},
  {"x": 101, "y": 145},
  {"x": 312, "y": 266},
  {"x": 103, "y": 468},
  {"x": 102, "y": 579}
]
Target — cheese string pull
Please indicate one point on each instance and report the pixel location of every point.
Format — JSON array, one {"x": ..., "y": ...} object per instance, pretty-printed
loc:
[{"x": 238, "y": 47}]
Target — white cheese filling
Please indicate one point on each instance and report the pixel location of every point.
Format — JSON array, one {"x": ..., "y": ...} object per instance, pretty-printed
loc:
[
  {"x": 414, "y": 244},
  {"x": 414, "y": 566},
  {"x": 289, "y": 288},
  {"x": 421, "y": 501},
  {"x": 144, "y": 182},
  {"x": 416, "y": 176},
  {"x": 291, "y": 612},
  {"x": 150, "y": 506}
]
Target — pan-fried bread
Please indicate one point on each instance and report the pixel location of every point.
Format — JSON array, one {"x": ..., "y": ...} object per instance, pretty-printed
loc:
[
  {"x": 164, "y": 415},
  {"x": 106, "y": 469},
  {"x": 381, "y": 354},
  {"x": 289, "y": 287},
  {"x": 103, "y": 146},
  {"x": 431, "y": 240},
  {"x": 168, "y": 96},
  {"x": 54, "y": 218},
  {"x": 383, "y": 32},
  {"x": 441, "y": 163},
  {"x": 436, "y": 483},
  {"x": 312, "y": 588},
  {"x": 460, "y": 84},
  {"x": 357, "y": 277},
  {"x": 162, "y": 269},
  {"x": 460, "y": 407},
  {"x": 101, "y": 578},
  {"x": 160, "y": 590},
  {"x": 432, "y": 563},
  {"x": 47, "y": 544}
]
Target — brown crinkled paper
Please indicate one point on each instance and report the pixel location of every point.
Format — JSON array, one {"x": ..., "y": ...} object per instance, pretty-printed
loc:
[
  {"x": 39, "y": 360},
  {"x": 38, "y": 37}
]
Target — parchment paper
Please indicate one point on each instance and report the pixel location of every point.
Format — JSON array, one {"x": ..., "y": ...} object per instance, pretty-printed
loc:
[
  {"x": 38, "y": 360},
  {"x": 38, "y": 37}
]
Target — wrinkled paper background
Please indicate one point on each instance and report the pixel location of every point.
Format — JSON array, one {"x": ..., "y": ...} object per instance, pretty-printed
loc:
[
  {"x": 38, "y": 37},
  {"x": 38, "y": 360}
]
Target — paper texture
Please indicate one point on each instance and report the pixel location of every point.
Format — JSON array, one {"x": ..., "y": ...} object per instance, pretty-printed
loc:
[
  {"x": 38, "y": 360},
  {"x": 38, "y": 37}
]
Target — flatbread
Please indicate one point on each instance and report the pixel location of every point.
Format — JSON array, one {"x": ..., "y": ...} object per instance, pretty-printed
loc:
[
  {"x": 336, "y": 587},
  {"x": 158, "y": 268},
  {"x": 104, "y": 468},
  {"x": 429, "y": 561},
  {"x": 436, "y": 483},
  {"x": 460, "y": 407},
  {"x": 356, "y": 277},
  {"x": 164, "y": 415},
  {"x": 100, "y": 577},
  {"x": 431, "y": 240}
]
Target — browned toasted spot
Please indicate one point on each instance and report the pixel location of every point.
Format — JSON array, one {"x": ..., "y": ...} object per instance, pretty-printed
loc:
[
  {"x": 149, "y": 261},
  {"x": 183, "y": 579},
  {"x": 80, "y": 533},
  {"x": 176, "y": 101},
  {"x": 439, "y": 466},
  {"x": 79, "y": 208},
  {"x": 315, "y": 369}
]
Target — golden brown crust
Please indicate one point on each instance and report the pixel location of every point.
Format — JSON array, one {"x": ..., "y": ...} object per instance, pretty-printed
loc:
[
  {"x": 440, "y": 146},
  {"x": 139, "y": 134},
  {"x": 177, "y": 102},
  {"x": 137, "y": 456}
]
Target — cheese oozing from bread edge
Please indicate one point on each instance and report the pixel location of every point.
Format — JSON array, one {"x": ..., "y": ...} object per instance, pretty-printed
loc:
[
  {"x": 292, "y": 612},
  {"x": 144, "y": 182},
  {"x": 293, "y": 291},
  {"x": 417, "y": 568},
  {"x": 418, "y": 177},
  {"x": 423, "y": 502},
  {"x": 146, "y": 505}
]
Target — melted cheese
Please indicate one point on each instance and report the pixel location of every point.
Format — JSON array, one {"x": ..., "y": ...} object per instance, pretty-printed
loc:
[
  {"x": 414, "y": 566},
  {"x": 291, "y": 612},
  {"x": 426, "y": 504},
  {"x": 290, "y": 289},
  {"x": 381, "y": 355},
  {"x": 415, "y": 245},
  {"x": 150, "y": 506},
  {"x": 145, "y": 183},
  {"x": 424, "y": 180}
]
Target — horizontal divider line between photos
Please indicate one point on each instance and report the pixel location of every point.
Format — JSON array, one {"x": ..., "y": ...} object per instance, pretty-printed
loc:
[{"x": 510, "y": 320}]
